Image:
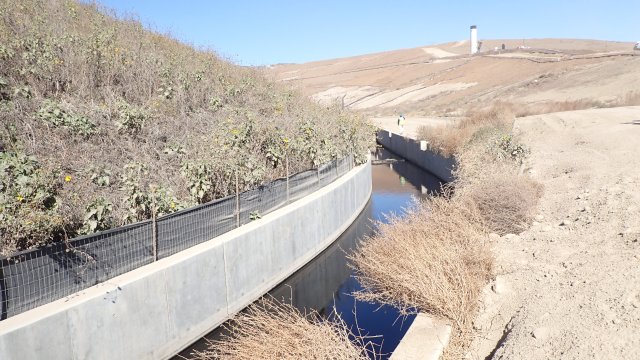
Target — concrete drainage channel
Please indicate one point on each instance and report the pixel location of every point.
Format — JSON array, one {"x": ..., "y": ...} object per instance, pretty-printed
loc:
[
  {"x": 326, "y": 283},
  {"x": 155, "y": 327},
  {"x": 427, "y": 337}
]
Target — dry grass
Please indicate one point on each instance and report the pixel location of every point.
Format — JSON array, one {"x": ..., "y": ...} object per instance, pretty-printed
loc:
[
  {"x": 632, "y": 98},
  {"x": 560, "y": 106},
  {"x": 448, "y": 140},
  {"x": 506, "y": 201},
  {"x": 436, "y": 260},
  {"x": 272, "y": 330}
]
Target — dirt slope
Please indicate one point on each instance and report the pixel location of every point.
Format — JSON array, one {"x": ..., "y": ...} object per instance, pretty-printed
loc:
[
  {"x": 569, "y": 287},
  {"x": 443, "y": 79}
]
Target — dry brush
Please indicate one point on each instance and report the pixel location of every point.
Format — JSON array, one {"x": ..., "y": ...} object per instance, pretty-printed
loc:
[
  {"x": 99, "y": 115},
  {"x": 437, "y": 259},
  {"x": 270, "y": 329}
]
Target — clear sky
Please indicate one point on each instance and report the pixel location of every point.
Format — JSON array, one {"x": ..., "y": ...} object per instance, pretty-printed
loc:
[{"x": 286, "y": 31}]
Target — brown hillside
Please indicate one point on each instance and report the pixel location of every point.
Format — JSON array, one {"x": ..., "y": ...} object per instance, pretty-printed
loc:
[{"x": 443, "y": 79}]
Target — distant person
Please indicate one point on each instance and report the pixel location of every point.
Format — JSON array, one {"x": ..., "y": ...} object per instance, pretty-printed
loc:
[{"x": 401, "y": 121}]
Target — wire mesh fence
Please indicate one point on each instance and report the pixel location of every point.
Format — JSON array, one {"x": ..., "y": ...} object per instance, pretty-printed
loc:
[
  {"x": 36, "y": 277},
  {"x": 33, "y": 278},
  {"x": 263, "y": 200},
  {"x": 303, "y": 184},
  {"x": 189, "y": 227}
]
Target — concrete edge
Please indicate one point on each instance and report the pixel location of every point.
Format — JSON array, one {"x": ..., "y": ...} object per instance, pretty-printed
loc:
[{"x": 426, "y": 339}]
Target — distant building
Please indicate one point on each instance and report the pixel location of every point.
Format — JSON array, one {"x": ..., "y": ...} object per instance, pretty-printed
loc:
[{"x": 474, "y": 39}]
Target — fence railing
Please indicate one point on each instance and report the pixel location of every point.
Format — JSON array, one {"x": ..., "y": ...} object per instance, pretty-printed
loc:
[{"x": 36, "y": 277}]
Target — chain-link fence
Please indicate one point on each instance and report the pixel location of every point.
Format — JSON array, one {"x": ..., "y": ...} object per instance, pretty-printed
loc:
[{"x": 35, "y": 277}]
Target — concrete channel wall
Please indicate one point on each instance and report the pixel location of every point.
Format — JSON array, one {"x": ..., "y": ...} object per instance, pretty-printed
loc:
[
  {"x": 155, "y": 311},
  {"x": 418, "y": 153}
]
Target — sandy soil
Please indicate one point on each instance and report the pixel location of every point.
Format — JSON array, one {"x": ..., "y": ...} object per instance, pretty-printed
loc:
[
  {"x": 569, "y": 287},
  {"x": 437, "y": 52}
]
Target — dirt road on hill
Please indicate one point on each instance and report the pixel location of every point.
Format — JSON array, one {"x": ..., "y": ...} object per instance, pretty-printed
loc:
[{"x": 569, "y": 287}]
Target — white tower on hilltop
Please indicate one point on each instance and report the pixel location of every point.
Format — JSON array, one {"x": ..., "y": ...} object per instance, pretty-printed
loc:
[{"x": 474, "y": 39}]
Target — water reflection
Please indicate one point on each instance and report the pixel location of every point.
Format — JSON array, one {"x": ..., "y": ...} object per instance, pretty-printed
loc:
[{"x": 326, "y": 283}]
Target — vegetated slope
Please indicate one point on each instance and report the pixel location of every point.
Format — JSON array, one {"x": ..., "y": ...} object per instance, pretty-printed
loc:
[
  {"x": 442, "y": 79},
  {"x": 103, "y": 122}
]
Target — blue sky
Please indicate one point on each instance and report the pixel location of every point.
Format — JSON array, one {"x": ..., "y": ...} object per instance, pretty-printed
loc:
[{"x": 283, "y": 31}]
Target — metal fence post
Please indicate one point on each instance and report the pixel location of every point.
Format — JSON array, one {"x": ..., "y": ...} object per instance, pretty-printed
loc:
[
  {"x": 286, "y": 164},
  {"x": 237, "y": 200},
  {"x": 154, "y": 228}
]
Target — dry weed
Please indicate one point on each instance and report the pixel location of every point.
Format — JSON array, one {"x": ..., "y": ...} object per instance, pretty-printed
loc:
[
  {"x": 631, "y": 99},
  {"x": 448, "y": 140},
  {"x": 445, "y": 140},
  {"x": 436, "y": 260},
  {"x": 559, "y": 106},
  {"x": 488, "y": 175},
  {"x": 506, "y": 201},
  {"x": 272, "y": 330},
  {"x": 500, "y": 114}
]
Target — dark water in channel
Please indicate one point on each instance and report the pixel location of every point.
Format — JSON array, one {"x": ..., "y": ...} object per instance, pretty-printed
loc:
[{"x": 325, "y": 283}]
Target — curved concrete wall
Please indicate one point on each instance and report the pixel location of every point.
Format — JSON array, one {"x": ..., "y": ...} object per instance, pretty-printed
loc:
[
  {"x": 418, "y": 153},
  {"x": 155, "y": 311}
]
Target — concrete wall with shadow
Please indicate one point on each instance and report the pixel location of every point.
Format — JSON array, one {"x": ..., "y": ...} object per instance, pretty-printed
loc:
[{"x": 418, "y": 153}]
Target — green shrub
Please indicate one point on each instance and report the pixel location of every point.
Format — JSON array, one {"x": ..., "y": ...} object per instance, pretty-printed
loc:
[
  {"x": 101, "y": 177},
  {"x": 52, "y": 113},
  {"x": 97, "y": 216},
  {"x": 28, "y": 203},
  {"x": 136, "y": 199},
  {"x": 142, "y": 201},
  {"x": 4, "y": 89},
  {"x": 199, "y": 180},
  {"x": 130, "y": 119}
]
